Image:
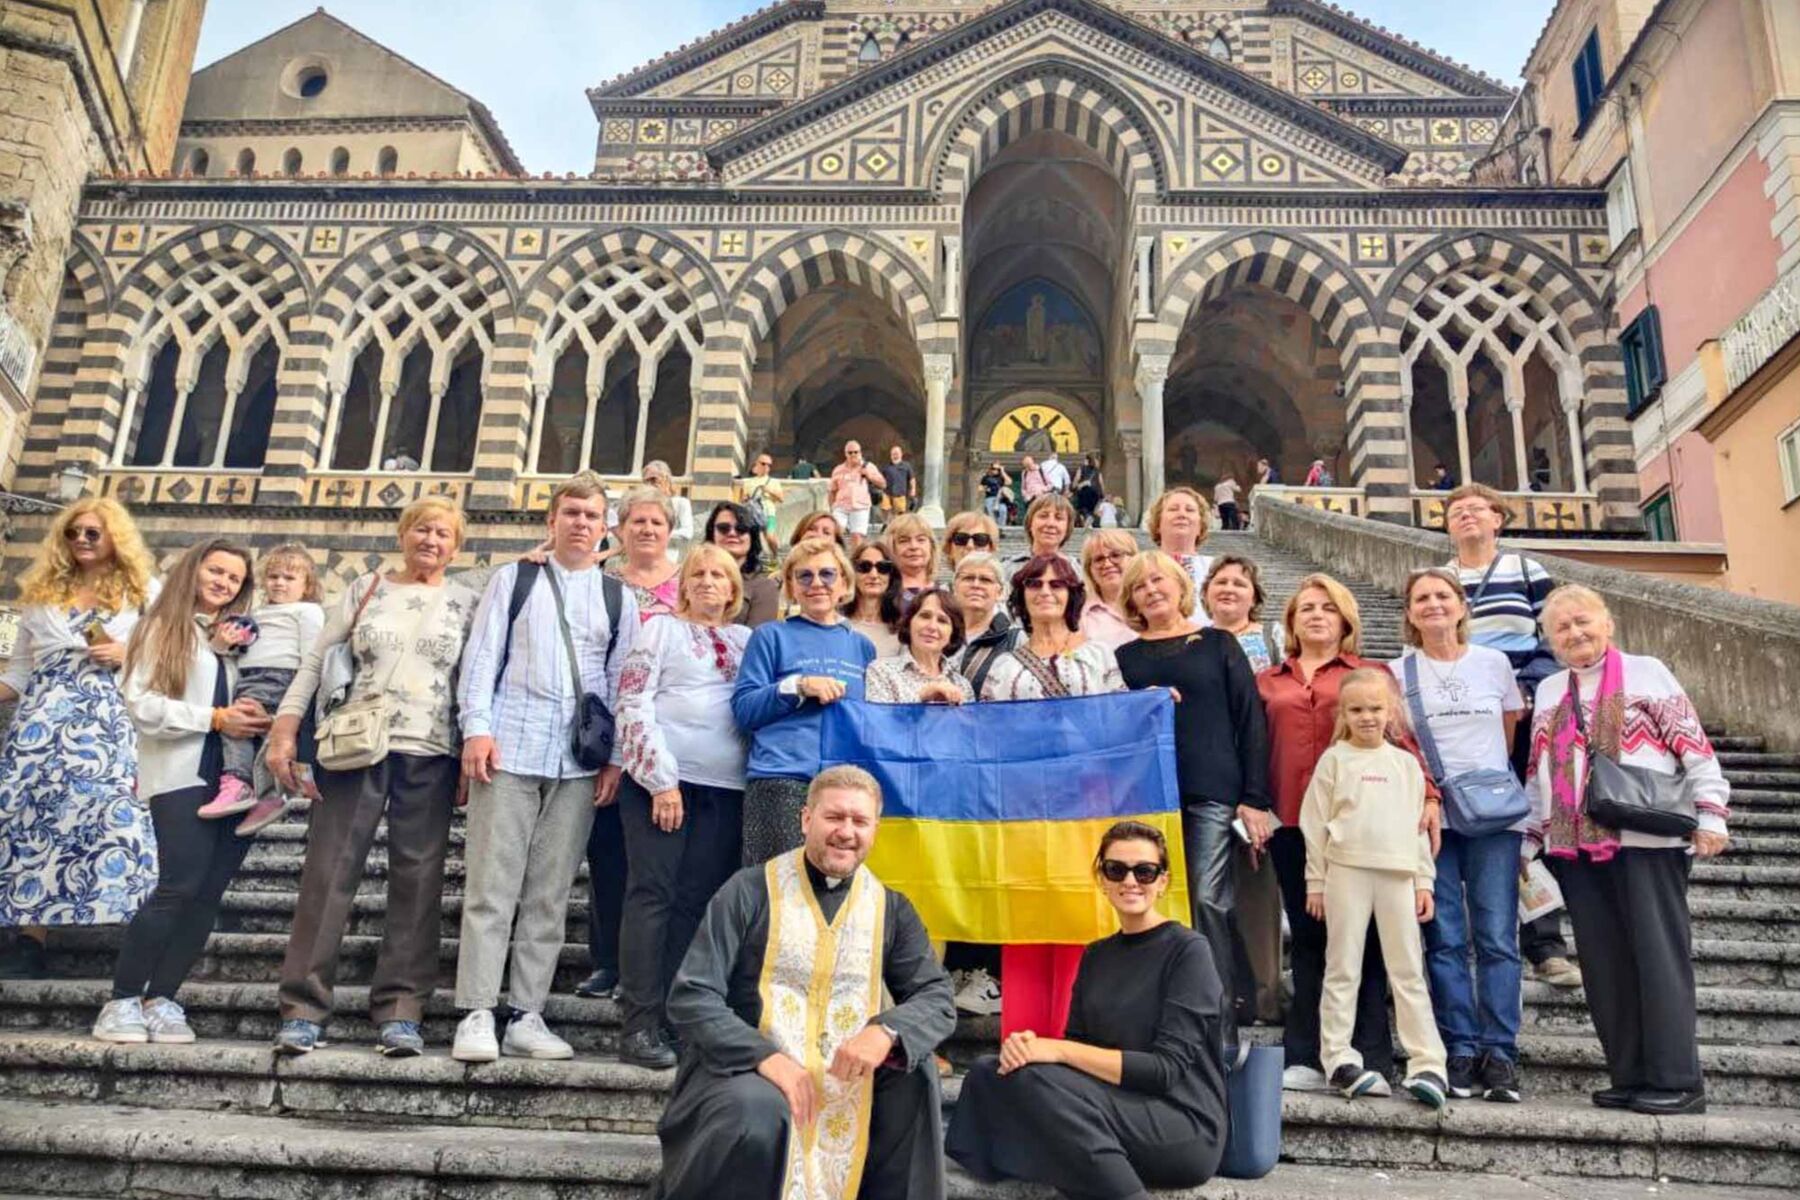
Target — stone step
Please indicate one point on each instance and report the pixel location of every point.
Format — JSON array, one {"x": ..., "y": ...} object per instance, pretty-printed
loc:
[{"x": 1748, "y": 799}]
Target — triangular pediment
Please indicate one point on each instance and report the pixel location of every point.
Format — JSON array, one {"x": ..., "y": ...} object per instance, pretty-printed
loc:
[{"x": 1159, "y": 108}]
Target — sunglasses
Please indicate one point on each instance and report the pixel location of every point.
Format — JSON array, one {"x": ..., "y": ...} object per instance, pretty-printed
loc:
[
  {"x": 84, "y": 533},
  {"x": 878, "y": 567},
  {"x": 980, "y": 541},
  {"x": 806, "y": 576},
  {"x": 1044, "y": 581},
  {"x": 1146, "y": 873},
  {"x": 728, "y": 529},
  {"x": 1111, "y": 556}
]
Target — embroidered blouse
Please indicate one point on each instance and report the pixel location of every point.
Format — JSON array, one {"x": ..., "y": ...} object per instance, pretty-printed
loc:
[
  {"x": 900, "y": 680},
  {"x": 1087, "y": 670},
  {"x": 675, "y": 722}
]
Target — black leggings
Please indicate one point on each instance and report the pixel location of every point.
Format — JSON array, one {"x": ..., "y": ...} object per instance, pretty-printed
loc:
[{"x": 196, "y": 860}]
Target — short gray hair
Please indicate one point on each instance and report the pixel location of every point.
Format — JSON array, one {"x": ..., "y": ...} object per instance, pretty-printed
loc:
[
  {"x": 646, "y": 494},
  {"x": 981, "y": 558}
]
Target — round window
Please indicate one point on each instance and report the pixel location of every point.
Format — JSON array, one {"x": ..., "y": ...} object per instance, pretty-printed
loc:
[
  {"x": 312, "y": 81},
  {"x": 306, "y": 78}
]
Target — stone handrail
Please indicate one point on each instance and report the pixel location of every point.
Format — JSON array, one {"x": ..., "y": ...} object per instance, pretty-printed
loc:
[
  {"x": 1769, "y": 325},
  {"x": 1737, "y": 656}
]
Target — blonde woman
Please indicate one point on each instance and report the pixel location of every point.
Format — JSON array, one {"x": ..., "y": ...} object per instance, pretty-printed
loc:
[
  {"x": 82, "y": 849},
  {"x": 1179, "y": 522},
  {"x": 682, "y": 799},
  {"x": 914, "y": 548},
  {"x": 1104, "y": 558}
]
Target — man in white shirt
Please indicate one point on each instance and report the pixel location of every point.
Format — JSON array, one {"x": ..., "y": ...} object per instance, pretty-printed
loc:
[
  {"x": 1056, "y": 476},
  {"x": 537, "y": 644}
]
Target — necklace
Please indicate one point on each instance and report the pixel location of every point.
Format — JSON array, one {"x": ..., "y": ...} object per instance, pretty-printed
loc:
[
  {"x": 1055, "y": 649},
  {"x": 1450, "y": 689}
]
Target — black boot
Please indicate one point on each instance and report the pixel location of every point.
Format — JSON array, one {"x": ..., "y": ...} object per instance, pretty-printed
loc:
[{"x": 645, "y": 1048}]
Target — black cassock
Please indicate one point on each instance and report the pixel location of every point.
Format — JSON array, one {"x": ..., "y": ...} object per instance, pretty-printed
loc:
[{"x": 725, "y": 1131}]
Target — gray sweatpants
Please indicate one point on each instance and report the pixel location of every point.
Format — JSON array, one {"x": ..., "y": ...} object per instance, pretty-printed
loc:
[
  {"x": 266, "y": 686},
  {"x": 525, "y": 839}
]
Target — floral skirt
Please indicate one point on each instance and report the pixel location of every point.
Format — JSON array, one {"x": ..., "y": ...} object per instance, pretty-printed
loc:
[{"x": 76, "y": 845}]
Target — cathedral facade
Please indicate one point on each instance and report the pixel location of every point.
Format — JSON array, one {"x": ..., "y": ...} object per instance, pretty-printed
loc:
[{"x": 1180, "y": 236}]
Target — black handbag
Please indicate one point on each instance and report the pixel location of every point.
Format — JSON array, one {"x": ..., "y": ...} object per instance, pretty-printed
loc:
[
  {"x": 1624, "y": 797},
  {"x": 591, "y": 736}
]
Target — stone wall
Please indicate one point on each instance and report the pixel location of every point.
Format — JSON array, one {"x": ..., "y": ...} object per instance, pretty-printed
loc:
[{"x": 1738, "y": 657}]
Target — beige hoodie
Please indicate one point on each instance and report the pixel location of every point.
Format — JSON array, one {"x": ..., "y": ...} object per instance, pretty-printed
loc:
[{"x": 1362, "y": 809}]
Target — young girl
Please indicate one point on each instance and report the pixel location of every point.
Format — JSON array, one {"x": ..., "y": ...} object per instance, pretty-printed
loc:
[
  {"x": 271, "y": 642},
  {"x": 1366, "y": 857}
]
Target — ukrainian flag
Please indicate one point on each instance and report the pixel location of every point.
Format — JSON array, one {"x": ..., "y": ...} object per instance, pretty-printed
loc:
[{"x": 992, "y": 813}]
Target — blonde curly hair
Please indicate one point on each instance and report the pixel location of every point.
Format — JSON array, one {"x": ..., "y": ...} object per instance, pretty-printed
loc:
[{"x": 53, "y": 578}]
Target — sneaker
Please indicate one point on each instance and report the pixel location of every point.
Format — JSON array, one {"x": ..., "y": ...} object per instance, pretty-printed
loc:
[
  {"x": 266, "y": 812},
  {"x": 1381, "y": 1086},
  {"x": 1302, "y": 1078},
  {"x": 296, "y": 1037},
  {"x": 167, "y": 1021},
  {"x": 1354, "y": 1081},
  {"x": 399, "y": 1039},
  {"x": 233, "y": 798},
  {"x": 1462, "y": 1076},
  {"x": 600, "y": 985},
  {"x": 1499, "y": 1080},
  {"x": 475, "y": 1041},
  {"x": 646, "y": 1048},
  {"x": 1557, "y": 971},
  {"x": 980, "y": 995},
  {"x": 528, "y": 1037},
  {"x": 1428, "y": 1089},
  {"x": 122, "y": 1021}
]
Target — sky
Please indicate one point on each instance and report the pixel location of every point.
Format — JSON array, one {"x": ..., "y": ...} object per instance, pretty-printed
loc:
[{"x": 530, "y": 60}]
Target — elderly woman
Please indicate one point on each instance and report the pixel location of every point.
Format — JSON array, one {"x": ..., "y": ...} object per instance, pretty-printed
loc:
[
  {"x": 914, "y": 548},
  {"x": 988, "y": 630},
  {"x": 1466, "y": 699},
  {"x": 1221, "y": 747},
  {"x": 1506, "y": 603},
  {"x": 1178, "y": 524},
  {"x": 1103, "y": 561},
  {"x": 647, "y": 517},
  {"x": 931, "y": 632},
  {"x": 732, "y": 527},
  {"x": 681, "y": 801},
  {"x": 405, "y": 628},
  {"x": 681, "y": 519},
  {"x": 792, "y": 669},
  {"x": 1626, "y": 890},
  {"x": 1048, "y": 523},
  {"x": 178, "y": 687},
  {"x": 1132, "y": 1095},
  {"x": 1323, "y": 631},
  {"x": 969, "y": 533},
  {"x": 873, "y": 607},
  {"x": 82, "y": 851}
]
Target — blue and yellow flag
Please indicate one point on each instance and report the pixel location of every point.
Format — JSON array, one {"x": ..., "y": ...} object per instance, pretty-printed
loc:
[{"x": 993, "y": 812}]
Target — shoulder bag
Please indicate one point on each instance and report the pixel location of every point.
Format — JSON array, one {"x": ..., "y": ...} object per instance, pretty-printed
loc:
[
  {"x": 1476, "y": 803},
  {"x": 591, "y": 736},
  {"x": 352, "y": 734},
  {"x": 1624, "y": 797}
]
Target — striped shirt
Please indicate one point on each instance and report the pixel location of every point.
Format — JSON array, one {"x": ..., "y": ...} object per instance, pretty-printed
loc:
[
  {"x": 531, "y": 711},
  {"x": 1505, "y": 613}
]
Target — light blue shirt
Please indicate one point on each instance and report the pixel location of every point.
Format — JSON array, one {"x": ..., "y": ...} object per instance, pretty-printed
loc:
[{"x": 531, "y": 712}]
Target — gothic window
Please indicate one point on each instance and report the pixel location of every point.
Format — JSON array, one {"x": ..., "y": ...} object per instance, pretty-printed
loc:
[
  {"x": 1219, "y": 47},
  {"x": 407, "y": 377},
  {"x": 340, "y": 161},
  {"x": 291, "y": 162},
  {"x": 204, "y": 370},
  {"x": 616, "y": 360},
  {"x": 199, "y": 163},
  {"x": 388, "y": 161},
  {"x": 246, "y": 164},
  {"x": 871, "y": 50},
  {"x": 900, "y": 42}
]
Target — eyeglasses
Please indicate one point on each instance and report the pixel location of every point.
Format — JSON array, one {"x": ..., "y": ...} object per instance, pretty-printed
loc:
[
  {"x": 878, "y": 566},
  {"x": 806, "y": 576},
  {"x": 1044, "y": 581},
  {"x": 980, "y": 541},
  {"x": 983, "y": 580},
  {"x": 728, "y": 529},
  {"x": 1111, "y": 556},
  {"x": 91, "y": 534},
  {"x": 1146, "y": 873}
]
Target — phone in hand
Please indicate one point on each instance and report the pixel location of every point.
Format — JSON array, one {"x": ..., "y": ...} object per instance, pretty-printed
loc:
[{"x": 94, "y": 633}]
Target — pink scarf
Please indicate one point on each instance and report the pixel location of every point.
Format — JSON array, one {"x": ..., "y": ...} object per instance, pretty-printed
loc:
[{"x": 1570, "y": 831}]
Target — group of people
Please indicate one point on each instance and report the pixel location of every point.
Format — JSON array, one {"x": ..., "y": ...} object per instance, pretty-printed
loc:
[{"x": 662, "y": 713}]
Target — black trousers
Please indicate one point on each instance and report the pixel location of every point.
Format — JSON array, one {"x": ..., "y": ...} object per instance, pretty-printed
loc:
[
  {"x": 195, "y": 862},
  {"x": 1543, "y": 938},
  {"x": 1631, "y": 918},
  {"x": 606, "y": 885},
  {"x": 1229, "y": 517},
  {"x": 672, "y": 877},
  {"x": 1300, "y": 1036},
  {"x": 1208, "y": 842}
]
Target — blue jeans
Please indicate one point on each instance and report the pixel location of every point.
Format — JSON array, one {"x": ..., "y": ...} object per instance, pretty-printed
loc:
[{"x": 1477, "y": 896}]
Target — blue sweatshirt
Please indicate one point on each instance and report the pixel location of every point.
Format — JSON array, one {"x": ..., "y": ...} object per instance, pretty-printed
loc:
[{"x": 784, "y": 729}]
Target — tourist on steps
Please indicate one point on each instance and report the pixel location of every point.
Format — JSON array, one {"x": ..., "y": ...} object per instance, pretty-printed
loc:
[
  {"x": 930, "y": 629},
  {"x": 915, "y": 552},
  {"x": 732, "y": 527},
  {"x": 682, "y": 799},
  {"x": 1466, "y": 699},
  {"x": 873, "y": 606},
  {"x": 406, "y": 629},
  {"x": 178, "y": 689},
  {"x": 969, "y": 533},
  {"x": 1104, "y": 557},
  {"x": 82, "y": 851},
  {"x": 1049, "y": 520},
  {"x": 1626, "y": 890},
  {"x": 1178, "y": 524},
  {"x": 849, "y": 496},
  {"x": 1132, "y": 1095},
  {"x": 546, "y": 638}
]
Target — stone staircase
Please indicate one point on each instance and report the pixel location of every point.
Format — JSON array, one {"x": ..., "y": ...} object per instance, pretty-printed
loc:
[{"x": 224, "y": 1118}]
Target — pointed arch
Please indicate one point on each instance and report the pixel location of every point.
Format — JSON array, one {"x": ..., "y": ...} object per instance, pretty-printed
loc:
[
  {"x": 87, "y": 272},
  {"x": 809, "y": 261}
]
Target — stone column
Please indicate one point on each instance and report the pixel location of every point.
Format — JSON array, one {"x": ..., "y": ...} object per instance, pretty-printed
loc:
[
  {"x": 1152, "y": 375},
  {"x": 1132, "y": 445},
  {"x": 939, "y": 370},
  {"x": 950, "y": 303}
]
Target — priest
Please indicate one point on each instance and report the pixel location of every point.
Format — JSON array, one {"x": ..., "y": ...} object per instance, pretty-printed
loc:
[{"x": 795, "y": 1081}]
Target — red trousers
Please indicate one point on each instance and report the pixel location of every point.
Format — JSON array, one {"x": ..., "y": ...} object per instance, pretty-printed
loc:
[{"x": 1035, "y": 985}]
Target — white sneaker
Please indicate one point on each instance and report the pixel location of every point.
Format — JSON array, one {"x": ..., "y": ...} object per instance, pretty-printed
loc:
[
  {"x": 166, "y": 1021},
  {"x": 528, "y": 1037},
  {"x": 1304, "y": 1079},
  {"x": 475, "y": 1040},
  {"x": 1381, "y": 1086},
  {"x": 979, "y": 995},
  {"x": 122, "y": 1021}
]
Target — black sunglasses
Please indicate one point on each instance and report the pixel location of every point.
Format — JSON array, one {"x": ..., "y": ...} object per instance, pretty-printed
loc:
[
  {"x": 879, "y": 566},
  {"x": 728, "y": 529},
  {"x": 1146, "y": 873},
  {"x": 84, "y": 533},
  {"x": 979, "y": 540}
]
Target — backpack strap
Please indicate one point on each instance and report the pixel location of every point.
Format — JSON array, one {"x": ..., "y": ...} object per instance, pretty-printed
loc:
[
  {"x": 612, "y": 593},
  {"x": 523, "y": 582},
  {"x": 1416, "y": 704}
]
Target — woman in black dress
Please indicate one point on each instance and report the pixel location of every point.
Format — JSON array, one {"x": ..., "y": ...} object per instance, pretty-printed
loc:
[{"x": 1133, "y": 1097}]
